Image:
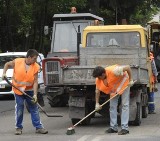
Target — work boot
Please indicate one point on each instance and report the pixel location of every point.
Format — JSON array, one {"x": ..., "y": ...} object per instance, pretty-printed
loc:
[
  {"x": 41, "y": 131},
  {"x": 123, "y": 132},
  {"x": 110, "y": 130},
  {"x": 18, "y": 131},
  {"x": 151, "y": 112}
]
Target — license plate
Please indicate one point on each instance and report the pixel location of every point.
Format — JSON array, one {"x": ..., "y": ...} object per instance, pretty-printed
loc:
[{"x": 2, "y": 86}]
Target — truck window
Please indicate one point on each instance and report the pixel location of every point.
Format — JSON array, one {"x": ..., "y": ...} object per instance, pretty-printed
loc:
[
  {"x": 65, "y": 36},
  {"x": 121, "y": 39}
]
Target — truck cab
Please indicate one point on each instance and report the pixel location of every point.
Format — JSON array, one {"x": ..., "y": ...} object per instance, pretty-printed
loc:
[{"x": 64, "y": 52}]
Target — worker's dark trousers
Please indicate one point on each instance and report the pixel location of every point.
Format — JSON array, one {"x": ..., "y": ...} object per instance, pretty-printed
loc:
[
  {"x": 19, "y": 109},
  {"x": 151, "y": 104}
]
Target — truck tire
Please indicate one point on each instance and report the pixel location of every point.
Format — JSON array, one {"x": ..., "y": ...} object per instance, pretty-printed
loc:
[
  {"x": 57, "y": 97},
  {"x": 144, "y": 111},
  {"x": 137, "y": 121},
  {"x": 57, "y": 101}
]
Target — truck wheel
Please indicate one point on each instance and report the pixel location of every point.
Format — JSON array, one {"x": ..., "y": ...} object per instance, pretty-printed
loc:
[
  {"x": 57, "y": 97},
  {"x": 58, "y": 101},
  {"x": 144, "y": 111},
  {"x": 138, "y": 118},
  {"x": 53, "y": 102}
]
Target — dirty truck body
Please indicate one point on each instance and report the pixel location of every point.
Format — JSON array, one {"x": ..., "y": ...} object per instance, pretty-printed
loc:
[
  {"x": 64, "y": 53},
  {"x": 109, "y": 45}
]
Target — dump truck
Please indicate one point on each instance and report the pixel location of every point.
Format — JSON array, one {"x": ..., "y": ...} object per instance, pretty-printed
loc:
[
  {"x": 105, "y": 46},
  {"x": 64, "y": 52}
]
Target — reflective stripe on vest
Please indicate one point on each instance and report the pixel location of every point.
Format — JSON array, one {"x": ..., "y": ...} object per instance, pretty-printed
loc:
[
  {"x": 122, "y": 83},
  {"x": 21, "y": 78},
  {"x": 22, "y": 83}
]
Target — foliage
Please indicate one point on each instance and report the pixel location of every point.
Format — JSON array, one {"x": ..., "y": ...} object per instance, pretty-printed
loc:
[
  {"x": 141, "y": 14},
  {"x": 23, "y": 21}
]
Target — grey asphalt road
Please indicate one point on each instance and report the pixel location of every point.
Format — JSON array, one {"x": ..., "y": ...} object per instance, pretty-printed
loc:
[{"x": 57, "y": 127}]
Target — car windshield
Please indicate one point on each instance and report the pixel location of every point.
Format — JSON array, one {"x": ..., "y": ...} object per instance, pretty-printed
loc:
[
  {"x": 4, "y": 59},
  {"x": 118, "y": 39}
]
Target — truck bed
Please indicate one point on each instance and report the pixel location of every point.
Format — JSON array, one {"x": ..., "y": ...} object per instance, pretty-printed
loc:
[{"x": 90, "y": 58}]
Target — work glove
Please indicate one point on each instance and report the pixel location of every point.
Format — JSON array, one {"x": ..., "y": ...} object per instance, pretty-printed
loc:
[
  {"x": 3, "y": 76},
  {"x": 131, "y": 83},
  {"x": 97, "y": 107},
  {"x": 34, "y": 100}
]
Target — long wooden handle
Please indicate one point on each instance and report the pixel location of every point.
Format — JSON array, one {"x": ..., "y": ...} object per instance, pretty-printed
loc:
[
  {"x": 17, "y": 88},
  {"x": 101, "y": 106}
]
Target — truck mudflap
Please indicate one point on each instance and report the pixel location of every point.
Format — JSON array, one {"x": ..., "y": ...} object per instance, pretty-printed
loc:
[
  {"x": 76, "y": 107},
  {"x": 76, "y": 101}
]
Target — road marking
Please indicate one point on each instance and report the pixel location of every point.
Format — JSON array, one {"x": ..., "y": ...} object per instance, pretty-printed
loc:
[
  {"x": 84, "y": 138},
  {"x": 99, "y": 138}
]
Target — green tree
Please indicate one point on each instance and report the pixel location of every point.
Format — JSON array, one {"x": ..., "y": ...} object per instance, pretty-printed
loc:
[
  {"x": 115, "y": 10},
  {"x": 22, "y": 21}
]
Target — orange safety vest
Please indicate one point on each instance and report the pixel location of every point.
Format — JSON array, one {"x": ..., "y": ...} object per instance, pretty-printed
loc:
[
  {"x": 115, "y": 83},
  {"x": 22, "y": 78}
]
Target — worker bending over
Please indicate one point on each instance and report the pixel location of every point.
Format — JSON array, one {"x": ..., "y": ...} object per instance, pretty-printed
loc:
[{"x": 111, "y": 80}]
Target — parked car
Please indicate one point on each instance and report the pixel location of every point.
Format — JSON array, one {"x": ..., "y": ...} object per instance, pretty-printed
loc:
[{"x": 5, "y": 88}]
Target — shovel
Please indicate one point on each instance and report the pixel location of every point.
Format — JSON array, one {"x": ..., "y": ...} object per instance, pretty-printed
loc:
[{"x": 48, "y": 115}]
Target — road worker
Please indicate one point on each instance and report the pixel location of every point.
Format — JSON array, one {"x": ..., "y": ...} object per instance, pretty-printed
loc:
[
  {"x": 25, "y": 78},
  {"x": 111, "y": 80},
  {"x": 151, "y": 104}
]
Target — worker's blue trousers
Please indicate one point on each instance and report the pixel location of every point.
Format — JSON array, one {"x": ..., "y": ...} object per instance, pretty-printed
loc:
[
  {"x": 151, "y": 104},
  {"x": 125, "y": 97},
  {"x": 33, "y": 108}
]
